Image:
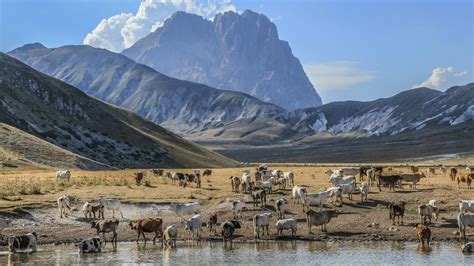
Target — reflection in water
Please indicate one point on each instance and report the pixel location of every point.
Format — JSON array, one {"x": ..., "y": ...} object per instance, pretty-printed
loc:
[{"x": 261, "y": 253}]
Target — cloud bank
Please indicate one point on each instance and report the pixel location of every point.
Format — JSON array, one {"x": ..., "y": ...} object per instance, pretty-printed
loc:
[
  {"x": 442, "y": 78},
  {"x": 123, "y": 30},
  {"x": 337, "y": 75}
]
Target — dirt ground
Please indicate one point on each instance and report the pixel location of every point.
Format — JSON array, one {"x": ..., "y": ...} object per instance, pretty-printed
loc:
[{"x": 29, "y": 199}]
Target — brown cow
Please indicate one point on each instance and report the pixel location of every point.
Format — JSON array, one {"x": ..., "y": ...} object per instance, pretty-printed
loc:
[
  {"x": 207, "y": 172},
  {"x": 235, "y": 183},
  {"x": 139, "y": 177},
  {"x": 465, "y": 178},
  {"x": 212, "y": 224},
  {"x": 106, "y": 226},
  {"x": 453, "y": 172},
  {"x": 396, "y": 210},
  {"x": 158, "y": 172},
  {"x": 414, "y": 169},
  {"x": 147, "y": 225},
  {"x": 423, "y": 233}
]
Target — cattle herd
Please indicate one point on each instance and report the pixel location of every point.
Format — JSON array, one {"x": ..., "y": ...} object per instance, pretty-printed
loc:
[{"x": 258, "y": 187}]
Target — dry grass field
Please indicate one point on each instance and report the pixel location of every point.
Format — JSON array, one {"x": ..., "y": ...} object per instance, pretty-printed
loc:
[{"x": 29, "y": 198}]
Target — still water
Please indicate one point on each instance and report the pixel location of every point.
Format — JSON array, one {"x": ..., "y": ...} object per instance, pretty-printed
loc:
[{"x": 269, "y": 253}]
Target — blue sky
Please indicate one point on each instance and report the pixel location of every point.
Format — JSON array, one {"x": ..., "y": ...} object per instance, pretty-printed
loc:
[{"x": 357, "y": 50}]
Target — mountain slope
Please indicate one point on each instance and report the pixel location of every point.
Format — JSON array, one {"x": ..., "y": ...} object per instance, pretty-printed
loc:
[
  {"x": 232, "y": 52},
  {"x": 66, "y": 117},
  {"x": 181, "y": 106}
]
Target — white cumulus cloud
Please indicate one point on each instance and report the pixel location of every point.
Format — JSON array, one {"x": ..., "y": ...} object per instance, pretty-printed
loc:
[
  {"x": 337, "y": 75},
  {"x": 442, "y": 78},
  {"x": 123, "y": 30}
]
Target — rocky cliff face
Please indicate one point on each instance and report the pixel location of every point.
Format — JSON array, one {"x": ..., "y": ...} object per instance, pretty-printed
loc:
[{"x": 232, "y": 52}]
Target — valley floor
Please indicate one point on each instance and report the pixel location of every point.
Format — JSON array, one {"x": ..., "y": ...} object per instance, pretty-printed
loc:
[{"x": 29, "y": 198}]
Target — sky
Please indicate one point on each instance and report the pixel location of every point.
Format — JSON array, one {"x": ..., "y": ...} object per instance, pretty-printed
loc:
[{"x": 349, "y": 49}]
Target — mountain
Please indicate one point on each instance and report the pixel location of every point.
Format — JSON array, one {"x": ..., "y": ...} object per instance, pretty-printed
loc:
[
  {"x": 181, "y": 106},
  {"x": 66, "y": 117},
  {"x": 231, "y": 52}
]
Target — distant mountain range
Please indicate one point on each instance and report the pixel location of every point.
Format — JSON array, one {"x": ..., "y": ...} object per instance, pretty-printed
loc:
[
  {"x": 239, "y": 52},
  {"x": 97, "y": 134}
]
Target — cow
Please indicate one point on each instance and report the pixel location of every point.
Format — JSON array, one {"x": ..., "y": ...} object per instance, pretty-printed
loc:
[
  {"x": 169, "y": 236},
  {"x": 414, "y": 169},
  {"x": 364, "y": 192},
  {"x": 413, "y": 178},
  {"x": 423, "y": 233},
  {"x": 390, "y": 180},
  {"x": 453, "y": 171},
  {"x": 281, "y": 183},
  {"x": 228, "y": 228},
  {"x": 172, "y": 176},
  {"x": 90, "y": 210},
  {"x": 259, "y": 196},
  {"x": 465, "y": 221},
  {"x": 466, "y": 206},
  {"x": 286, "y": 224},
  {"x": 111, "y": 205},
  {"x": 139, "y": 177},
  {"x": 63, "y": 175},
  {"x": 90, "y": 245},
  {"x": 106, "y": 226},
  {"x": 321, "y": 218},
  {"x": 348, "y": 189},
  {"x": 468, "y": 247},
  {"x": 193, "y": 178},
  {"x": 363, "y": 172},
  {"x": 147, "y": 225},
  {"x": 237, "y": 207},
  {"x": 276, "y": 173},
  {"x": 431, "y": 170},
  {"x": 235, "y": 183},
  {"x": 315, "y": 198},
  {"x": 298, "y": 193},
  {"x": 186, "y": 208},
  {"x": 335, "y": 193},
  {"x": 371, "y": 176},
  {"x": 194, "y": 226},
  {"x": 267, "y": 185},
  {"x": 280, "y": 207},
  {"x": 338, "y": 180},
  {"x": 261, "y": 221},
  {"x": 64, "y": 203},
  {"x": 22, "y": 242},
  {"x": 247, "y": 180},
  {"x": 290, "y": 178},
  {"x": 207, "y": 172},
  {"x": 462, "y": 178},
  {"x": 396, "y": 210},
  {"x": 426, "y": 211},
  {"x": 211, "y": 224},
  {"x": 158, "y": 172}
]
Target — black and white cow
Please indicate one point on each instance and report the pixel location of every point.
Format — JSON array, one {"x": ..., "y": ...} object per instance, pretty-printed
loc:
[
  {"x": 22, "y": 242},
  {"x": 90, "y": 245}
]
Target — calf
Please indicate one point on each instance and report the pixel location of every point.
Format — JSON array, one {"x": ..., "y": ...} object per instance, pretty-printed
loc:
[
  {"x": 364, "y": 192},
  {"x": 465, "y": 221},
  {"x": 462, "y": 178},
  {"x": 348, "y": 189},
  {"x": 90, "y": 245},
  {"x": 235, "y": 183},
  {"x": 426, "y": 211},
  {"x": 424, "y": 234},
  {"x": 111, "y": 205},
  {"x": 413, "y": 178},
  {"x": 390, "y": 180},
  {"x": 261, "y": 221},
  {"x": 298, "y": 193},
  {"x": 147, "y": 225},
  {"x": 259, "y": 197},
  {"x": 280, "y": 208},
  {"x": 237, "y": 207},
  {"x": 287, "y": 224},
  {"x": 170, "y": 235},
  {"x": 194, "y": 225},
  {"x": 106, "y": 226},
  {"x": 63, "y": 175},
  {"x": 228, "y": 228},
  {"x": 247, "y": 180},
  {"x": 22, "y": 242},
  {"x": 396, "y": 210},
  {"x": 289, "y": 177},
  {"x": 466, "y": 206},
  {"x": 212, "y": 224},
  {"x": 321, "y": 218},
  {"x": 64, "y": 203},
  {"x": 89, "y": 210},
  {"x": 335, "y": 193}
]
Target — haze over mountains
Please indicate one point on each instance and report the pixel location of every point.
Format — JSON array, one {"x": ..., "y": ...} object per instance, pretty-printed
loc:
[
  {"x": 240, "y": 52},
  {"x": 100, "y": 135}
]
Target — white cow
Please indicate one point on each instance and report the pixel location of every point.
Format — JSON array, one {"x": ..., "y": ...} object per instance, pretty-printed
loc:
[
  {"x": 364, "y": 192},
  {"x": 280, "y": 207},
  {"x": 426, "y": 211},
  {"x": 298, "y": 193},
  {"x": 466, "y": 206},
  {"x": 348, "y": 189},
  {"x": 261, "y": 220},
  {"x": 338, "y": 180},
  {"x": 371, "y": 176},
  {"x": 64, "y": 203},
  {"x": 63, "y": 175},
  {"x": 290, "y": 178},
  {"x": 194, "y": 225},
  {"x": 247, "y": 179},
  {"x": 315, "y": 198},
  {"x": 287, "y": 224},
  {"x": 465, "y": 221},
  {"x": 185, "y": 209},
  {"x": 335, "y": 193},
  {"x": 237, "y": 207},
  {"x": 112, "y": 205}
]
